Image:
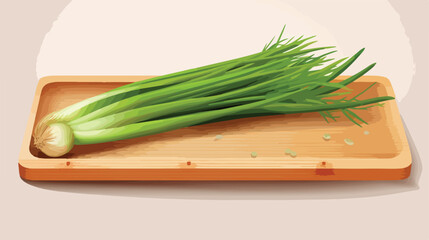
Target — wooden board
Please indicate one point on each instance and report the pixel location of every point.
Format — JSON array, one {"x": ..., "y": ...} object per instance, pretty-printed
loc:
[{"x": 194, "y": 154}]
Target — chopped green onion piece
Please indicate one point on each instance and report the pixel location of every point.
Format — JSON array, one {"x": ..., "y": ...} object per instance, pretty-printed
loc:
[
  {"x": 326, "y": 136},
  {"x": 290, "y": 152},
  {"x": 366, "y": 132},
  {"x": 218, "y": 137},
  {"x": 254, "y": 154},
  {"x": 281, "y": 79},
  {"x": 348, "y": 141}
]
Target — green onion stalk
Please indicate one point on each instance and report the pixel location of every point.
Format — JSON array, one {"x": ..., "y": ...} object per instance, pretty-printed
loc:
[{"x": 287, "y": 76}]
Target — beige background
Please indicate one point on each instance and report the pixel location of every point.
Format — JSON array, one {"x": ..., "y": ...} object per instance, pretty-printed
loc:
[
  {"x": 133, "y": 37},
  {"x": 213, "y": 210}
]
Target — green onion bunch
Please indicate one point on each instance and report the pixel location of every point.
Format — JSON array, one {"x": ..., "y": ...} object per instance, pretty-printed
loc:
[{"x": 287, "y": 76}]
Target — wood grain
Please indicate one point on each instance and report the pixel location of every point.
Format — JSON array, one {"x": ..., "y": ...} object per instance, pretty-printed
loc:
[{"x": 194, "y": 154}]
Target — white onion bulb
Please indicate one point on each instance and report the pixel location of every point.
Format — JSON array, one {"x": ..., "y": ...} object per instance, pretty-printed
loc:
[{"x": 56, "y": 140}]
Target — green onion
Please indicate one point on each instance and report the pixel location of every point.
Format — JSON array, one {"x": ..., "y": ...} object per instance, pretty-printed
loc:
[
  {"x": 218, "y": 137},
  {"x": 286, "y": 77},
  {"x": 327, "y": 136},
  {"x": 290, "y": 152},
  {"x": 348, "y": 141}
]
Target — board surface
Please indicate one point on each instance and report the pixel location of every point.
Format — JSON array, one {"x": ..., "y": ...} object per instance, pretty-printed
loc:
[{"x": 194, "y": 153}]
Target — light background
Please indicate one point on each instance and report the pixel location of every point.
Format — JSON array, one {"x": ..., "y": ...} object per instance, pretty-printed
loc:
[{"x": 42, "y": 38}]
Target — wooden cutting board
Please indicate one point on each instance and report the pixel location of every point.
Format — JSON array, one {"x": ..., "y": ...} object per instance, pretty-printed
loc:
[{"x": 194, "y": 153}]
